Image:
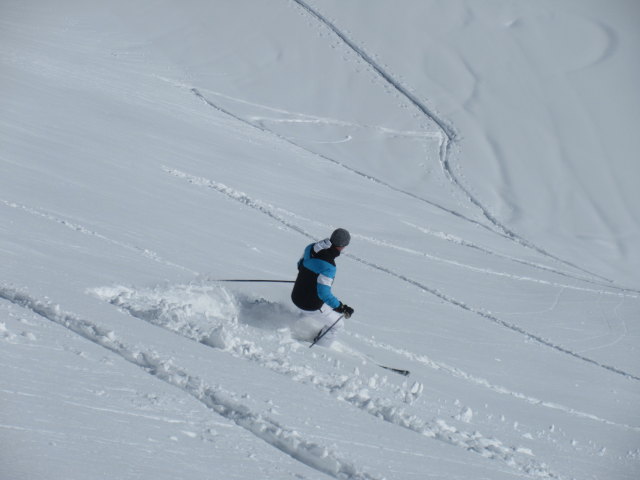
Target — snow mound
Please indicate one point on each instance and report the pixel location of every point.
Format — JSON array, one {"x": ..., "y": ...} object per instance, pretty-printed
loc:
[{"x": 201, "y": 312}]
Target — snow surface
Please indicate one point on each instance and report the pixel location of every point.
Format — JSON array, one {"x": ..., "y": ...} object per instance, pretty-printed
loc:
[{"x": 484, "y": 156}]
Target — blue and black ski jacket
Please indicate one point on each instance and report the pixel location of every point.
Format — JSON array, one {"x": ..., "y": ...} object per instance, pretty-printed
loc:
[{"x": 316, "y": 272}]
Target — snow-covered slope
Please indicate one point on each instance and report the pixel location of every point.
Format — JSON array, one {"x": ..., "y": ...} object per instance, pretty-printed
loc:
[{"x": 480, "y": 153}]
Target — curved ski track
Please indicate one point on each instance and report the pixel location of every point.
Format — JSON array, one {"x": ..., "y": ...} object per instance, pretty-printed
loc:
[
  {"x": 449, "y": 136},
  {"x": 267, "y": 210},
  {"x": 371, "y": 178}
]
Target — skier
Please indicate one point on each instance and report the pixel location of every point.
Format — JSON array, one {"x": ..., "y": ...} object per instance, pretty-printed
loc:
[{"x": 312, "y": 289}]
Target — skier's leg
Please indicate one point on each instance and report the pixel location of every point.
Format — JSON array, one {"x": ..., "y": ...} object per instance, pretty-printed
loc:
[{"x": 329, "y": 317}]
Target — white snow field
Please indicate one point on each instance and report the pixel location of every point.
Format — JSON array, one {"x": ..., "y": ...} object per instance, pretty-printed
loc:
[{"x": 483, "y": 155}]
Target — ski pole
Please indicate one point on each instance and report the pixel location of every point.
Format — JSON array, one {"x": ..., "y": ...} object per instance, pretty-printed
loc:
[{"x": 253, "y": 280}]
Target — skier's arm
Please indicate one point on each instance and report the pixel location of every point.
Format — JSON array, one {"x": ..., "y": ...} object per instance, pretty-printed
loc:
[{"x": 325, "y": 280}]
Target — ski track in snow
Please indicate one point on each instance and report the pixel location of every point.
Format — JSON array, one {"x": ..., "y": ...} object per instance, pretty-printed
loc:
[
  {"x": 488, "y": 271},
  {"x": 151, "y": 306},
  {"x": 449, "y": 136},
  {"x": 624, "y": 292},
  {"x": 150, "y": 254},
  {"x": 268, "y": 210},
  {"x": 492, "y": 318},
  {"x": 482, "y": 382},
  {"x": 215, "y": 398},
  {"x": 293, "y": 117}
]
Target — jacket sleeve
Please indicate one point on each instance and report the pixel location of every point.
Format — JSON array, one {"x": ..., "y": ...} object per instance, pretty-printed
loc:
[{"x": 325, "y": 281}]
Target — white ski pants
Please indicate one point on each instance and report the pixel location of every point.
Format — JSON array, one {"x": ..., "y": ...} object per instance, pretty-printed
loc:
[{"x": 326, "y": 316}]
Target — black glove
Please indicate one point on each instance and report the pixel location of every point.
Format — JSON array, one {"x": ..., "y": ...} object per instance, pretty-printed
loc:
[{"x": 346, "y": 310}]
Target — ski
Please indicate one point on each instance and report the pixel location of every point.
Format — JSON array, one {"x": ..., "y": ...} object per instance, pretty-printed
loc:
[
  {"x": 399, "y": 371},
  {"x": 396, "y": 370}
]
